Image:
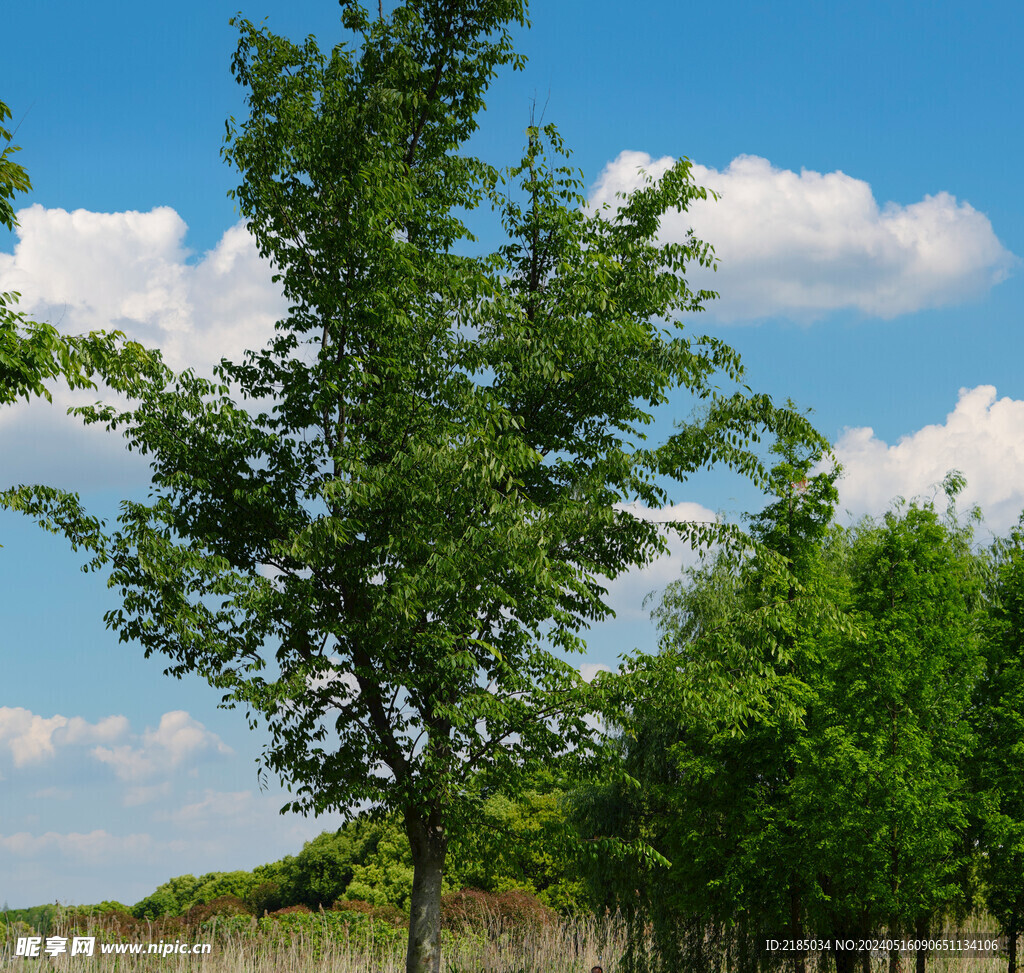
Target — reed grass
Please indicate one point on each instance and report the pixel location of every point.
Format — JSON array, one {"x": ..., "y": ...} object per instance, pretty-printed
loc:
[
  {"x": 571, "y": 945},
  {"x": 568, "y": 946}
]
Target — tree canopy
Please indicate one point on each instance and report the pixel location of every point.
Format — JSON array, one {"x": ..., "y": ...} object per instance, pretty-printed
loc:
[
  {"x": 804, "y": 756},
  {"x": 379, "y": 533}
]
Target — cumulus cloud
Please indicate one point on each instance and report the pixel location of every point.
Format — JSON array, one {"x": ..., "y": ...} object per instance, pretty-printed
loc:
[
  {"x": 139, "y": 761},
  {"x": 983, "y": 437},
  {"x": 96, "y": 271},
  {"x": 178, "y": 738},
  {"x": 805, "y": 244},
  {"x": 130, "y": 271},
  {"x": 32, "y": 738}
]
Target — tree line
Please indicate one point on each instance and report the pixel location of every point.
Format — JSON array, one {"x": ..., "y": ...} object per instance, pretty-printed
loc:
[{"x": 829, "y": 745}]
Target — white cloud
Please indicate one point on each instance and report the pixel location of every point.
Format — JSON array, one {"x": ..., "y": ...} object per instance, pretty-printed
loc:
[
  {"x": 27, "y": 735},
  {"x": 32, "y": 738},
  {"x": 96, "y": 271},
  {"x": 805, "y": 244},
  {"x": 140, "y": 761},
  {"x": 588, "y": 670},
  {"x": 216, "y": 806},
  {"x": 78, "y": 731},
  {"x": 626, "y": 593},
  {"x": 983, "y": 437},
  {"x": 130, "y": 271},
  {"x": 178, "y": 738},
  {"x": 52, "y": 794},
  {"x": 98, "y": 847}
]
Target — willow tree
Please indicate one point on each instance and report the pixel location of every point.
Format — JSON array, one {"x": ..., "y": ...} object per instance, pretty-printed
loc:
[{"x": 382, "y": 532}]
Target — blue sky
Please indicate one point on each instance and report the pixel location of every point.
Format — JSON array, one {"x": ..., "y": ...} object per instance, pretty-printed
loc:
[{"x": 869, "y": 233}]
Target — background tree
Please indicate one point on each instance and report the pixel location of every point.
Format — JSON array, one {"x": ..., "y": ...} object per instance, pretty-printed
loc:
[
  {"x": 379, "y": 532},
  {"x": 714, "y": 747},
  {"x": 802, "y": 759},
  {"x": 999, "y": 723},
  {"x": 900, "y": 711}
]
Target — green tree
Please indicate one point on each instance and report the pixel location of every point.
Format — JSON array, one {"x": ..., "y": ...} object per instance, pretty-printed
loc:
[
  {"x": 902, "y": 703},
  {"x": 370, "y": 532},
  {"x": 172, "y": 898},
  {"x": 999, "y": 723},
  {"x": 803, "y": 756},
  {"x": 710, "y": 759},
  {"x": 524, "y": 842}
]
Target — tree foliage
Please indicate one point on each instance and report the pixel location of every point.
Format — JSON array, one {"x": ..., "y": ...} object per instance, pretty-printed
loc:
[
  {"x": 379, "y": 533},
  {"x": 521, "y": 844},
  {"x": 804, "y": 759},
  {"x": 999, "y": 723}
]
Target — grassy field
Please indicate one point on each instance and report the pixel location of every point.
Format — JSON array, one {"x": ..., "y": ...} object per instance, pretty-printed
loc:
[
  {"x": 309, "y": 946},
  {"x": 343, "y": 943}
]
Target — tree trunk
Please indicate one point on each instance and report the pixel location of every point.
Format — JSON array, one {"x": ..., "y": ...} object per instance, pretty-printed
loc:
[
  {"x": 865, "y": 956},
  {"x": 796, "y": 928},
  {"x": 922, "y": 954},
  {"x": 846, "y": 961},
  {"x": 429, "y": 844},
  {"x": 1011, "y": 943}
]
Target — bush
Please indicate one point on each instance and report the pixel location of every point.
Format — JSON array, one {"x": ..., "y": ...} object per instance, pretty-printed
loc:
[
  {"x": 478, "y": 910},
  {"x": 390, "y": 914},
  {"x": 223, "y": 905},
  {"x": 265, "y": 897},
  {"x": 523, "y": 909}
]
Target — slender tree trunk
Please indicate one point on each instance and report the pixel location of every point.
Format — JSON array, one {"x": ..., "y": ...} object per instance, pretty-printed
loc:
[
  {"x": 1011, "y": 943},
  {"x": 922, "y": 954},
  {"x": 846, "y": 961},
  {"x": 796, "y": 928},
  {"x": 429, "y": 844},
  {"x": 865, "y": 956}
]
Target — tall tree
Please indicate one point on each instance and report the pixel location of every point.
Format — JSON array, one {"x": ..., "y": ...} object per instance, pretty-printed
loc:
[
  {"x": 903, "y": 697},
  {"x": 999, "y": 723},
  {"x": 716, "y": 744},
  {"x": 803, "y": 757},
  {"x": 369, "y": 532}
]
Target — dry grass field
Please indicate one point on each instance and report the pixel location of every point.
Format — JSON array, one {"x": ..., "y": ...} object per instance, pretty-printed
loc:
[
  {"x": 564, "y": 947},
  {"x": 310, "y": 944}
]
